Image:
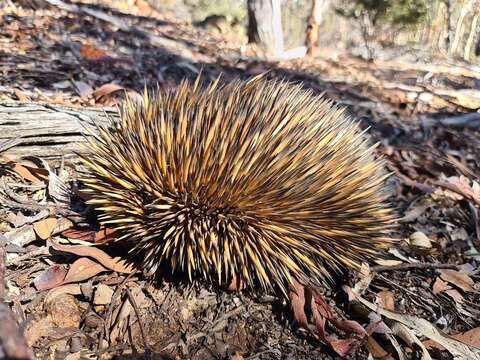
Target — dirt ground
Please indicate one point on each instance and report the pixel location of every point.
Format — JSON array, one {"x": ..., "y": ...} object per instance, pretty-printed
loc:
[{"x": 73, "y": 302}]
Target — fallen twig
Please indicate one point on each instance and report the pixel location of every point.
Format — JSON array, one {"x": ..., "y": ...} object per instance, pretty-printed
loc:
[
  {"x": 172, "y": 46},
  {"x": 421, "y": 326},
  {"x": 12, "y": 342},
  {"x": 456, "y": 189},
  {"x": 381, "y": 268},
  {"x": 148, "y": 353}
]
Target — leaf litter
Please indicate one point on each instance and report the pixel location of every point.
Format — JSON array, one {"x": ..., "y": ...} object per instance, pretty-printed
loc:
[{"x": 78, "y": 299}]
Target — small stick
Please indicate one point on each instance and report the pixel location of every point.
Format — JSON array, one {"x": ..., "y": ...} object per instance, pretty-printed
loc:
[
  {"x": 381, "y": 268},
  {"x": 142, "y": 330},
  {"x": 12, "y": 341}
]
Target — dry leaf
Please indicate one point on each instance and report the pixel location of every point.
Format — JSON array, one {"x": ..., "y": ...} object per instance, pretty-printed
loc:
[
  {"x": 45, "y": 227},
  {"x": 439, "y": 286},
  {"x": 25, "y": 173},
  {"x": 455, "y": 295},
  {"x": 106, "y": 89},
  {"x": 419, "y": 239},
  {"x": 297, "y": 302},
  {"x": 103, "y": 295},
  {"x": 300, "y": 296},
  {"x": 457, "y": 278},
  {"x": 115, "y": 264},
  {"x": 101, "y": 236},
  {"x": 91, "y": 52},
  {"x": 421, "y": 327},
  {"x": 385, "y": 300},
  {"x": 82, "y": 269},
  {"x": 376, "y": 350},
  {"x": 237, "y": 356},
  {"x": 50, "y": 278},
  {"x": 470, "y": 337},
  {"x": 237, "y": 283},
  {"x": 21, "y": 95},
  {"x": 409, "y": 337}
]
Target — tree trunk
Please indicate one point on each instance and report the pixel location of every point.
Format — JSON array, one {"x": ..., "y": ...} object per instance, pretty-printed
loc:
[
  {"x": 464, "y": 10},
  {"x": 316, "y": 13},
  {"x": 51, "y": 132},
  {"x": 448, "y": 39},
  {"x": 468, "y": 54},
  {"x": 265, "y": 26}
]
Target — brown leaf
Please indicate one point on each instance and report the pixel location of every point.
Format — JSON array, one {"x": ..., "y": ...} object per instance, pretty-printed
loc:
[
  {"x": 344, "y": 347},
  {"x": 237, "y": 356},
  {"x": 91, "y": 52},
  {"x": 237, "y": 283},
  {"x": 455, "y": 295},
  {"x": 115, "y": 264},
  {"x": 105, "y": 90},
  {"x": 25, "y": 173},
  {"x": 100, "y": 236},
  {"x": 386, "y": 300},
  {"x": 461, "y": 186},
  {"x": 21, "y": 95},
  {"x": 297, "y": 301},
  {"x": 470, "y": 337},
  {"x": 376, "y": 350},
  {"x": 420, "y": 240},
  {"x": 82, "y": 269},
  {"x": 50, "y": 278},
  {"x": 301, "y": 296},
  {"x": 45, "y": 227},
  {"x": 457, "y": 278},
  {"x": 439, "y": 286},
  {"x": 103, "y": 235}
]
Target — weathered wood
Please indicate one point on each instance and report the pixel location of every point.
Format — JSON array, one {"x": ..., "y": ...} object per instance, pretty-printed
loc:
[{"x": 51, "y": 132}]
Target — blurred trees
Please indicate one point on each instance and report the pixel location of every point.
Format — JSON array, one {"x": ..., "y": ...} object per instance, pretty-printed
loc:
[
  {"x": 368, "y": 27},
  {"x": 265, "y": 25},
  {"x": 318, "y": 9}
]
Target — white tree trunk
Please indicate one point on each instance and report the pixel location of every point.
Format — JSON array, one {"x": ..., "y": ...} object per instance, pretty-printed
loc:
[{"x": 265, "y": 26}]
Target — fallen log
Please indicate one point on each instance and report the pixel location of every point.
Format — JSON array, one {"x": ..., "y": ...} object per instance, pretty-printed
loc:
[{"x": 51, "y": 132}]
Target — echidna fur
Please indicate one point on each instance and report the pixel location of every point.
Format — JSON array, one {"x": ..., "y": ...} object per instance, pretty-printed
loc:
[{"x": 258, "y": 180}]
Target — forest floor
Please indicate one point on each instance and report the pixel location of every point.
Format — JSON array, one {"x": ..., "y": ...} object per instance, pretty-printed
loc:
[{"x": 73, "y": 302}]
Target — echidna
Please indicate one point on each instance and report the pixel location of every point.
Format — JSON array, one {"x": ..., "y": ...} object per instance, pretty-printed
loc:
[{"x": 258, "y": 180}]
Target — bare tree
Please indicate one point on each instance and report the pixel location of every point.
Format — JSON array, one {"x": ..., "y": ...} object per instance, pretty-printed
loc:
[
  {"x": 316, "y": 14},
  {"x": 459, "y": 28},
  {"x": 265, "y": 26},
  {"x": 472, "y": 35},
  {"x": 449, "y": 34}
]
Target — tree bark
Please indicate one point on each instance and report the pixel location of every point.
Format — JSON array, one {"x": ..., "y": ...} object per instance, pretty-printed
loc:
[
  {"x": 449, "y": 37},
  {"x": 51, "y": 132},
  {"x": 265, "y": 26},
  {"x": 317, "y": 10},
  {"x": 464, "y": 10},
  {"x": 468, "y": 53}
]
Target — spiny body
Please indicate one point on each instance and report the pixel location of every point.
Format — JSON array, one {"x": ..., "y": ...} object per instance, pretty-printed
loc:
[{"x": 259, "y": 180}]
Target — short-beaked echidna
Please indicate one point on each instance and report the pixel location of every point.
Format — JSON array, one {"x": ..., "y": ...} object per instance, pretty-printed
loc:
[{"x": 258, "y": 180}]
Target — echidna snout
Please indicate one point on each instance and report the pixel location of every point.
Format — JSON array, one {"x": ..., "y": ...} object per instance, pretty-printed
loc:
[{"x": 256, "y": 179}]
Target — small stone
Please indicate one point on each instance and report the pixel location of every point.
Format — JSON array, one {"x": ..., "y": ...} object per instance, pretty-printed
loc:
[
  {"x": 103, "y": 295},
  {"x": 64, "y": 311}
]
